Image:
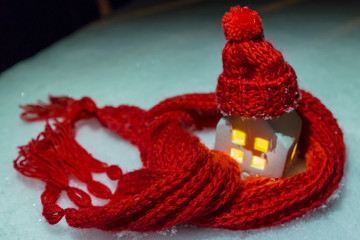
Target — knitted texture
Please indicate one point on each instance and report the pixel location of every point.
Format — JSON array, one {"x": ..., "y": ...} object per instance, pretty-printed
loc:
[
  {"x": 256, "y": 81},
  {"x": 181, "y": 179}
]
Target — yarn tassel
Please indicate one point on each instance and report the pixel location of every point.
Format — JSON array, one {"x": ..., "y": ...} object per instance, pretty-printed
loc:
[
  {"x": 59, "y": 107},
  {"x": 55, "y": 155},
  {"x": 43, "y": 111},
  {"x": 39, "y": 160}
]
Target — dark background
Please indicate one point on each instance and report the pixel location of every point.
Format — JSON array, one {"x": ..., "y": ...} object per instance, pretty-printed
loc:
[{"x": 28, "y": 26}]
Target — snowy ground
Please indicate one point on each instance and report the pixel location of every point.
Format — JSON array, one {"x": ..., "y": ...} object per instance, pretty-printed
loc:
[{"x": 166, "y": 51}]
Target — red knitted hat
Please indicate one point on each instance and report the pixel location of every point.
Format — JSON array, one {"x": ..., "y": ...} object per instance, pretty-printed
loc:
[{"x": 256, "y": 81}]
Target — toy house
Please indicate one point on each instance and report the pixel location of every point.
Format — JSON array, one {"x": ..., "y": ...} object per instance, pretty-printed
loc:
[
  {"x": 257, "y": 93},
  {"x": 261, "y": 147}
]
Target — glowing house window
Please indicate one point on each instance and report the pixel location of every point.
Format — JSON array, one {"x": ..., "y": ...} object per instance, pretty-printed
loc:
[
  {"x": 258, "y": 162},
  {"x": 237, "y": 155},
  {"x": 261, "y": 145},
  {"x": 238, "y": 137},
  {"x": 294, "y": 151}
]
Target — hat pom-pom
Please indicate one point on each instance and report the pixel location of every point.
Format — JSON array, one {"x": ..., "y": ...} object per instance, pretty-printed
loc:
[{"x": 242, "y": 24}]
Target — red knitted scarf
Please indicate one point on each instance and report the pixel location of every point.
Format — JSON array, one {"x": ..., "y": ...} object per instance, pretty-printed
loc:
[{"x": 181, "y": 179}]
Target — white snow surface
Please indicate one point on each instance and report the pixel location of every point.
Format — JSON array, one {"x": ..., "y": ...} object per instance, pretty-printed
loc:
[{"x": 142, "y": 59}]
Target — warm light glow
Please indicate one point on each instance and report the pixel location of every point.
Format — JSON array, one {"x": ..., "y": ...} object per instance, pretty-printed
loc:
[
  {"x": 258, "y": 162},
  {"x": 238, "y": 137},
  {"x": 237, "y": 155},
  {"x": 293, "y": 153},
  {"x": 261, "y": 145}
]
